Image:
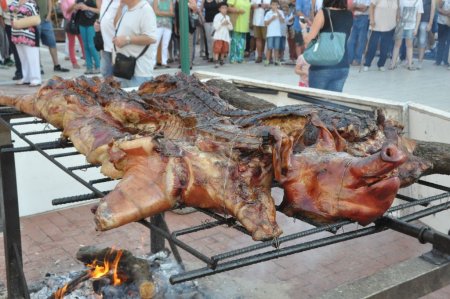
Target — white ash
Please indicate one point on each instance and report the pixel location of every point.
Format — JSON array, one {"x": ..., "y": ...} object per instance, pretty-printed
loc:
[{"x": 162, "y": 266}]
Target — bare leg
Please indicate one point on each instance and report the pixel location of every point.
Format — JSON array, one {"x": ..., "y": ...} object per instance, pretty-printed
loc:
[
  {"x": 409, "y": 52},
  {"x": 54, "y": 54}
]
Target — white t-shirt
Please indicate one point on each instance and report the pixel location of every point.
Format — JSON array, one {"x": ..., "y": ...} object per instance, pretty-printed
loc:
[
  {"x": 441, "y": 18},
  {"x": 107, "y": 23},
  {"x": 274, "y": 28},
  {"x": 408, "y": 12},
  {"x": 222, "y": 32},
  {"x": 362, "y": 2},
  {"x": 140, "y": 20},
  {"x": 385, "y": 15},
  {"x": 258, "y": 13}
]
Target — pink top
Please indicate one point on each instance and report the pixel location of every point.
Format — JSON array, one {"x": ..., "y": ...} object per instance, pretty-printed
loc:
[{"x": 65, "y": 6}]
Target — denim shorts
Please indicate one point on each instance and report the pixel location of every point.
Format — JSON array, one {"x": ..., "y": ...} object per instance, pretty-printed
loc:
[
  {"x": 422, "y": 35},
  {"x": 46, "y": 34},
  {"x": 273, "y": 42},
  {"x": 405, "y": 34}
]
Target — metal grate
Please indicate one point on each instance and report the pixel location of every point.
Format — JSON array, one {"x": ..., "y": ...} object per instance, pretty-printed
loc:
[{"x": 247, "y": 255}]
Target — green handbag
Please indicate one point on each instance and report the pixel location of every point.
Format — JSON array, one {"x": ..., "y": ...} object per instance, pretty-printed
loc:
[{"x": 328, "y": 49}]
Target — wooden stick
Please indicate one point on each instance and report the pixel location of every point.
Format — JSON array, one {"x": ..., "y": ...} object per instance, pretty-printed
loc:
[{"x": 71, "y": 285}]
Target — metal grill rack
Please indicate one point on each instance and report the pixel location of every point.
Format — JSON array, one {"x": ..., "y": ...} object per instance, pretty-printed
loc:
[{"x": 240, "y": 257}]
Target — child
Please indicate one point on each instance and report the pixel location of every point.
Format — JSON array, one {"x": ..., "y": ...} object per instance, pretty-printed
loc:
[
  {"x": 222, "y": 26},
  {"x": 302, "y": 67},
  {"x": 273, "y": 20}
]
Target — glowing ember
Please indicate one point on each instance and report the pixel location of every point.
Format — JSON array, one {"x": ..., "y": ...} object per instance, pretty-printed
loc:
[{"x": 59, "y": 294}]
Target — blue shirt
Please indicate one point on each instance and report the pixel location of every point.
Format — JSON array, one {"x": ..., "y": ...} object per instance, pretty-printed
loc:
[{"x": 305, "y": 7}]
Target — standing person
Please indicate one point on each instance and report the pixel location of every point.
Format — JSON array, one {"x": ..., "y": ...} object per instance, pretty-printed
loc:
[
  {"x": 291, "y": 33},
  {"x": 108, "y": 11},
  {"x": 211, "y": 8},
  {"x": 164, "y": 19},
  {"x": 358, "y": 36},
  {"x": 87, "y": 13},
  {"x": 330, "y": 77},
  {"x": 410, "y": 14},
  {"x": 259, "y": 28},
  {"x": 67, "y": 8},
  {"x": 135, "y": 31},
  {"x": 240, "y": 29},
  {"x": 383, "y": 19},
  {"x": 273, "y": 20},
  {"x": 222, "y": 27},
  {"x": 426, "y": 22},
  {"x": 27, "y": 42},
  {"x": 302, "y": 13},
  {"x": 443, "y": 7},
  {"x": 6, "y": 22},
  {"x": 46, "y": 33}
]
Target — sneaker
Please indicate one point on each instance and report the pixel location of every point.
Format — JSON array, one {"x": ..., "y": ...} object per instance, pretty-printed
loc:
[
  {"x": 17, "y": 77},
  {"x": 89, "y": 72},
  {"x": 277, "y": 63},
  {"x": 266, "y": 62},
  {"x": 366, "y": 69},
  {"x": 58, "y": 68},
  {"x": 221, "y": 62},
  {"x": 382, "y": 69},
  {"x": 95, "y": 71},
  {"x": 216, "y": 66}
]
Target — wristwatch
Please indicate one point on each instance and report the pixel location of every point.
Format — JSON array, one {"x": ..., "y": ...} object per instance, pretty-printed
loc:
[{"x": 128, "y": 39}]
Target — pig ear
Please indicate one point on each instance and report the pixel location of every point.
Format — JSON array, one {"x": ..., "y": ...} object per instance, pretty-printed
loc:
[
  {"x": 325, "y": 140},
  {"x": 281, "y": 154}
]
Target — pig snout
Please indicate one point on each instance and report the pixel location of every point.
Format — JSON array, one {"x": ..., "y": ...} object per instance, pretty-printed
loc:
[{"x": 391, "y": 153}]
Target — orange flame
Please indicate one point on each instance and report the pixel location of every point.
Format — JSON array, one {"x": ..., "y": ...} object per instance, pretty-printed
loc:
[
  {"x": 105, "y": 268},
  {"x": 59, "y": 294}
]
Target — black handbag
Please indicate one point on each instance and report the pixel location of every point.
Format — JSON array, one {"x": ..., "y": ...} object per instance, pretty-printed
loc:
[
  {"x": 98, "y": 38},
  {"x": 124, "y": 66},
  {"x": 71, "y": 26},
  {"x": 194, "y": 21}
]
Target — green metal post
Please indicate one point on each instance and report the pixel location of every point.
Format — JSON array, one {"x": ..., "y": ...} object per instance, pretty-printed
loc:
[{"x": 184, "y": 36}]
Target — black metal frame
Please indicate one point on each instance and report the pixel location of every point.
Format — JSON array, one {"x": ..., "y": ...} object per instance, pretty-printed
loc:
[{"x": 159, "y": 231}]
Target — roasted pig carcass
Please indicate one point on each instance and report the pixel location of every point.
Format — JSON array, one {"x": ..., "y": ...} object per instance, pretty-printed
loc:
[{"x": 174, "y": 142}]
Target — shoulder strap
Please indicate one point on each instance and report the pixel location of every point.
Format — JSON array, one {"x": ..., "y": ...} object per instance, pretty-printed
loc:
[
  {"x": 329, "y": 17},
  {"x": 110, "y": 2}
]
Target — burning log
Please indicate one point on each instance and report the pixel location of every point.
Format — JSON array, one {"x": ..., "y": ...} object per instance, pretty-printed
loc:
[
  {"x": 128, "y": 267},
  {"x": 72, "y": 285}
]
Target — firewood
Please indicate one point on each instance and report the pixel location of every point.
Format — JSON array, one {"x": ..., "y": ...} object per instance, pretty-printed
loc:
[
  {"x": 71, "y": 285},
  {"x": 134, "y": 269}
]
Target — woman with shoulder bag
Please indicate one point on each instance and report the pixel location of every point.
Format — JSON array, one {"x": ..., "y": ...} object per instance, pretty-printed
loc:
[
  {"x": 443, "y": 32},
  {"x": 67, "y": 8},
  {"x": 87, "y": 13},
  {"x": 330, "y": 77},
  {"x": 26, "y": 40}
]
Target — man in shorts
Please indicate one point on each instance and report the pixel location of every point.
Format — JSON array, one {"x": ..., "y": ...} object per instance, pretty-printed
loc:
[
  {"x": 46, "y": 33},
  {"x": 302, "y": 14},
  {"x": 259, "y": 29}
]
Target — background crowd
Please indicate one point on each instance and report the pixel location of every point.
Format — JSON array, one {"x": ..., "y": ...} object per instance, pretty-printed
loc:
[{"x": 270, "y": 32}]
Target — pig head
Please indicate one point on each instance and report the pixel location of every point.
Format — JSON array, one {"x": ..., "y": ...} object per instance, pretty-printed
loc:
[{"x": 324, "y": 185}]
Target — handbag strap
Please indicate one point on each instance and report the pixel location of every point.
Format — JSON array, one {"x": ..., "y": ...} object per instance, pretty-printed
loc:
[
  {"x": 106, "y": 10},
  {"x": 331, "y": 22},
  {"x": 115, "y": 34}
]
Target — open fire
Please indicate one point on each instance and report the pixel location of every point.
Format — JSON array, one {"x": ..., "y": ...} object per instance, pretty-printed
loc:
[{"x": 117, "y": 266}]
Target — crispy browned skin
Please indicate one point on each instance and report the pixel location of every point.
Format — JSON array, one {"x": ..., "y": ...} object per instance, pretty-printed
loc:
[
  {"x": 176, "y": 143},
  {"x": 325, "y": 185}
]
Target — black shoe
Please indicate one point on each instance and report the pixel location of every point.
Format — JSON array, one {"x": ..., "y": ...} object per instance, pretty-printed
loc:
[
  {"x": 58, "y": 68},
  {"x": 17, "y": 77},
  {"x": 42, "y": 71}
]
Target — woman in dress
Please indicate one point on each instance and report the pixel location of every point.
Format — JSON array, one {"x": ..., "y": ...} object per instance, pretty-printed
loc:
[
  {"x": 241, "y": 8},
  {"x": 26, "y": 41},
  {"x": 164, "y": 20},
  {"x": 330, "y": 77}
]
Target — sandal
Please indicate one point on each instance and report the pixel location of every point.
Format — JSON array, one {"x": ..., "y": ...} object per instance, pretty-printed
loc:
[
  {"x": 411, "y": 68},
  {"x": 392, "y": 67}
]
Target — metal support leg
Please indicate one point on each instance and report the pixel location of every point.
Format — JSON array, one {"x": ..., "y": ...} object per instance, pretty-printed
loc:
[
  {"x": 156, "y": 240},
  {"x": 15, "y": 280}
]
